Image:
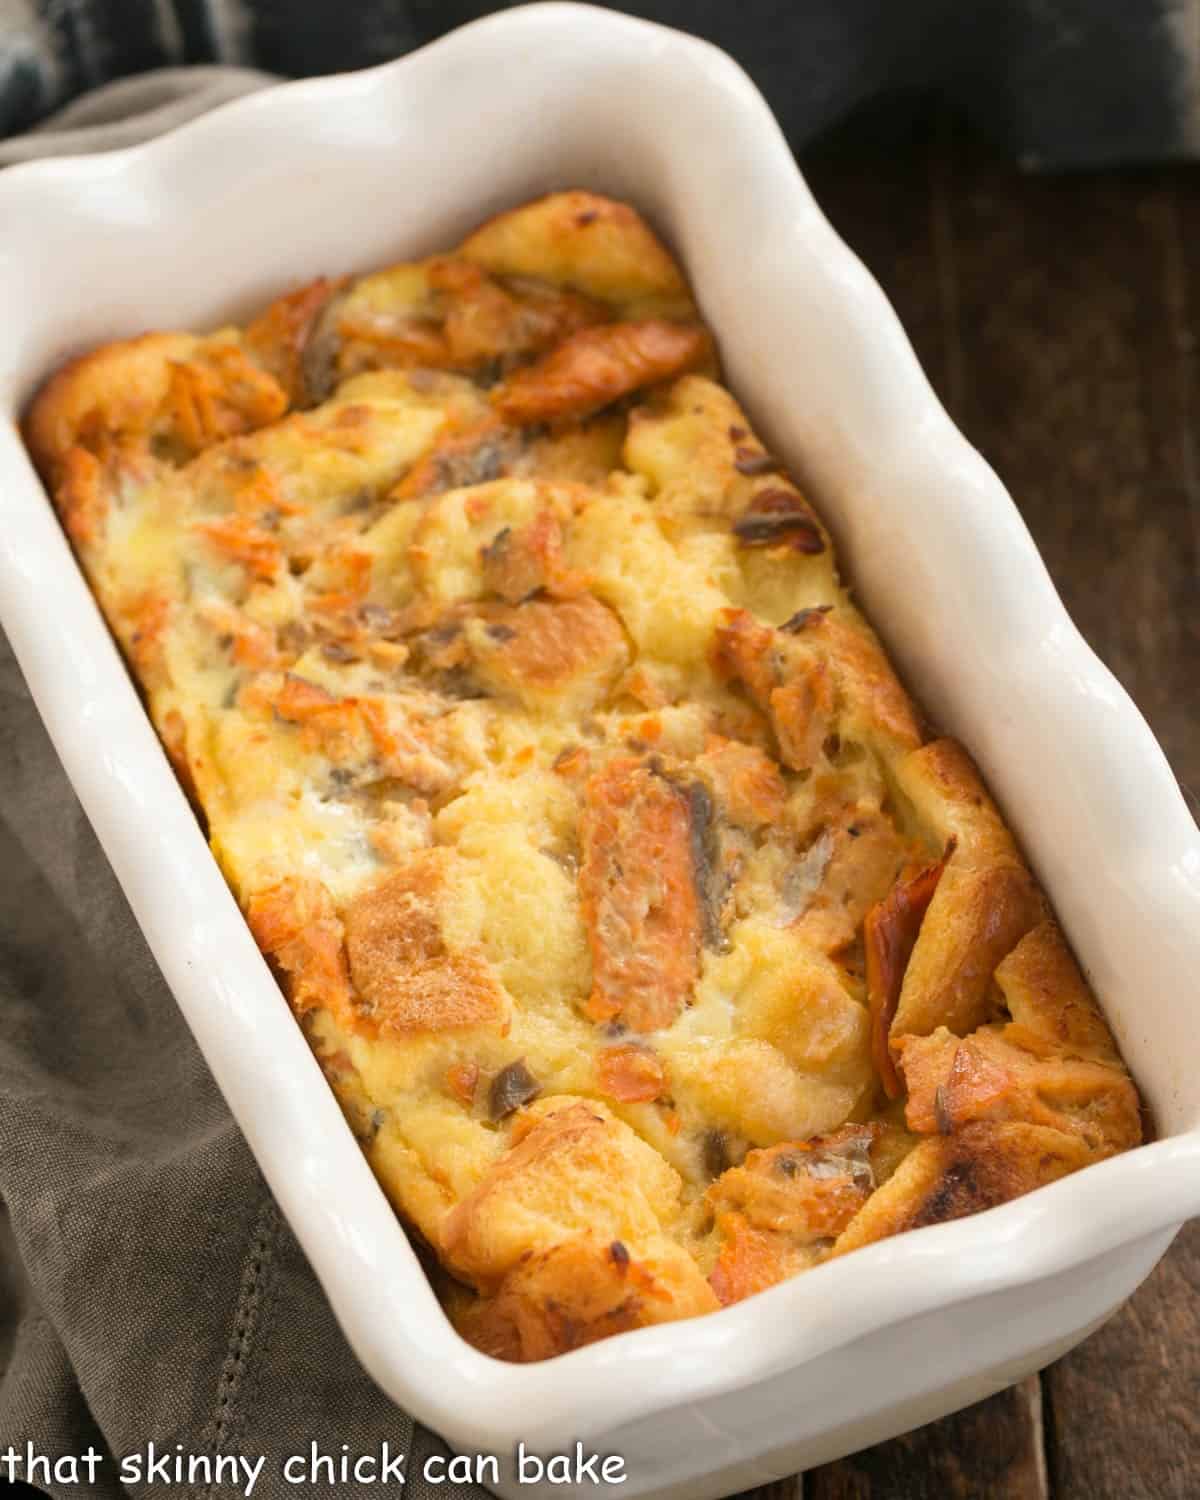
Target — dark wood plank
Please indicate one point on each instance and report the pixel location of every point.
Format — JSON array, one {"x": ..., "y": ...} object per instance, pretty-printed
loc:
[
  {"x": 1122, "y": 1418},
  {"x": 1183, "y": 298},
  {"x": 880, "y": 202},
  {"x": 1049, "y": 314},
  {"x": 992, "y": 1449},
  {"x": 1069, "y": 334},
  {"x": 793, "y": 1488},
  {"x": 1122, "y": 1422}
]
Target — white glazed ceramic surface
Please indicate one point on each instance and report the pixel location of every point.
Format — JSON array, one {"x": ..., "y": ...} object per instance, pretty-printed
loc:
[{"x": 351, "y": 172}]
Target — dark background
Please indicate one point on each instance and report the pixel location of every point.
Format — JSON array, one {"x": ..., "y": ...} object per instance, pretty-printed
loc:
[{"x": 1067, "y": 82}]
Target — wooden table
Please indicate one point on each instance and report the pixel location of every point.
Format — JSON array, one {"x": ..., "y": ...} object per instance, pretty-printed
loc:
[{"x": 1057, "y": 318}]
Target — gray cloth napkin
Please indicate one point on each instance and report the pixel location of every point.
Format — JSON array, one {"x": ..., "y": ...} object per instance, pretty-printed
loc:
[
  {"x": 151, "y": 1290},
  {"x": 132, "y": 110}
]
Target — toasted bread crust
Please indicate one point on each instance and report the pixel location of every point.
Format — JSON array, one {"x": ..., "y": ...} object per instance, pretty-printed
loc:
[{"x": 976, "y": 1168}]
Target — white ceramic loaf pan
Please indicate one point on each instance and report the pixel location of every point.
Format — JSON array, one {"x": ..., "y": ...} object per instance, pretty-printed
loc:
[{"x": 351, "y": 172}]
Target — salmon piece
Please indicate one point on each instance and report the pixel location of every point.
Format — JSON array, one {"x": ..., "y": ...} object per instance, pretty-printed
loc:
[
  {"x": 750, "y": 1260},
  {"x": 262, "y": 648},
  {"x": 238, "y": 538},
  {"x": 869, "y": 692},
  {"x": 746, "y": 651},
  {"x": 346, "y": 578},
  {"x": 462, "y": 1080},
  {"x": 299, "y": 700},
  {"x": 780, "y": 1211},
  {"x": 486, "y": 321},
  {"x": 146, "y": 621},
  {"x": 525, "y": 560},
  {"x": 572, "y": 764},
  {"x": 794, "y": 691},
  {"x": 630, "y": 1074},
  {"x": 818, "y": 678},
  {"x": 638, "y": 890},
  {"x": 328, "y": 722},
  {"x": 254, "y": 646},
  {"x": 800, "y": 1187},
  {"x": 296, "y": 700},
  {"x": 334, "y": 724},
  {"x": 89, "y": 479},
  {"x": 477, "y": 454},
  {"x": 746, "y": 783},
  {"x": 352, "y": 729},
  {"x": 954, "y": 1081},
  {"x": 596, "y": 366},
  {"x": 258, "y": 494},
  {"x": 159, "y": 389},
  {"x": 801, "y": 711},
  {"x": 296, "y": 925},
  {"x": 364, "y": 341},
  {"x": 402, "y": 745},
  {"x": 409, "y": 981},
  {"x": 128, "y": 403},
  {"x": 644, "y": 686},
  {"x": 850, "y": 866},
  {"x": 481, "y": 321},
  {"x": 82, "y": 496},
  {"x": 280, "y": 338},
  {"x": 890, "y": 934},
  {"x": 219, "y": 395},
  {"x": 453, "y": 315}
]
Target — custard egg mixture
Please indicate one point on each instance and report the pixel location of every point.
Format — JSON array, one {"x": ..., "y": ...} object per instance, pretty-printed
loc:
[{"x": 652, "y": 946}]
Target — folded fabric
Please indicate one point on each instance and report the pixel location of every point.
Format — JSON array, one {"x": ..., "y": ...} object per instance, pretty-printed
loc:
[{"x": 132, "y": 110}]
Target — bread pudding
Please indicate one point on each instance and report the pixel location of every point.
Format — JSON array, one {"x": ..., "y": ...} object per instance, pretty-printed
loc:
[{"x": 654, "y": 946}]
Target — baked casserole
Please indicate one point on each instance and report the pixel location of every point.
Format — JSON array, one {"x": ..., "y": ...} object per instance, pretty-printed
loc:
[{"x": 654, "y": 948}]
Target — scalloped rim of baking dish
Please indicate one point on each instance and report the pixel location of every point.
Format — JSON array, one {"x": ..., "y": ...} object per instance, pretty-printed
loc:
[{"x": 1109, "y": 795}]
